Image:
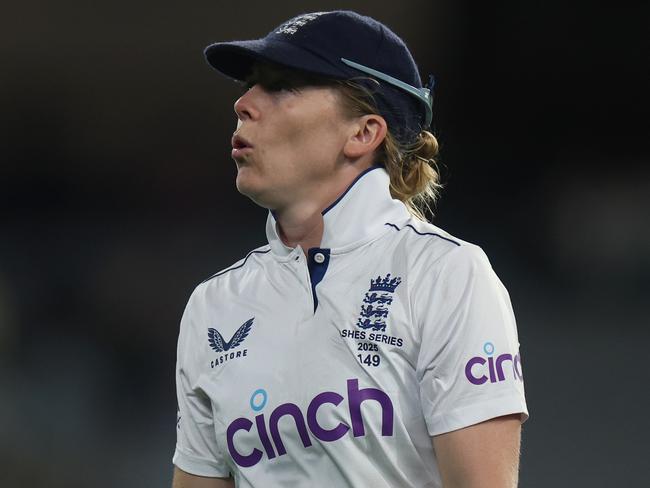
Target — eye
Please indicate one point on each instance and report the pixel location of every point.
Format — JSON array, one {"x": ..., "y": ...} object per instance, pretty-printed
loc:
[{"x": 278, "y": 85}]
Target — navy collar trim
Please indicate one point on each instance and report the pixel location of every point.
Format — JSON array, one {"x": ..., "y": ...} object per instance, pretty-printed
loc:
[
  {"x": 359, "y": 176},
  {"x": 356, "y": 217}
]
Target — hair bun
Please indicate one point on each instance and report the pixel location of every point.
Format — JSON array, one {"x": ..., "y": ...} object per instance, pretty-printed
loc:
[{"x": 413, "y": 170}]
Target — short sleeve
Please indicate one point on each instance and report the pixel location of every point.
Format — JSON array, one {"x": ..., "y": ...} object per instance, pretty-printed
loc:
[
  {"x": 197, "y": 451},
  {"x": 469, "y": 366}
]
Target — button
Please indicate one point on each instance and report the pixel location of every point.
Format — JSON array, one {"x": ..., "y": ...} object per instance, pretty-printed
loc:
[{"x": 319, "y": 257}]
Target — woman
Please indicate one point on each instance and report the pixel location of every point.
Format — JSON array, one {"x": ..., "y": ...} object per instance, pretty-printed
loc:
[{"x": 362, "y": 346}]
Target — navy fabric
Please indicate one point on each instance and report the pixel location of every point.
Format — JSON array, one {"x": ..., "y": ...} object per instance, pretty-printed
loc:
[
  {"x": 317, "y": 270},
  {"x": 424, "y": 233},
  {"x": 316, "y": 42}
]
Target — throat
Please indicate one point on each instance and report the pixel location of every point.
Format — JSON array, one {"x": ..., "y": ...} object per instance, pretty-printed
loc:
[{"x": 305, "y": 230}]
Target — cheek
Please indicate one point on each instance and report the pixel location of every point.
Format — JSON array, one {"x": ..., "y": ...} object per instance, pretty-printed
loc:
[
  {"x": 283, "y": 150},
  {"x": 303, "y": 134},
  {"x": 314, "y": 138},
  {"x": 321, "y": 148}
]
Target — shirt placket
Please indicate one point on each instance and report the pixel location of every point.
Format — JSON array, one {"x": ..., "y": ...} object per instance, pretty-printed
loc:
[
  {"x": 300, "y": 270},
  {"x": 310, "y": 270}
]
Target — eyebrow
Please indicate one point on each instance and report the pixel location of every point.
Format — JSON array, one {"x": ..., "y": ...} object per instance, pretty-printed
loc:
[
  {"x": 261, "y": 73},
  {"x": 268, "y": 73}
]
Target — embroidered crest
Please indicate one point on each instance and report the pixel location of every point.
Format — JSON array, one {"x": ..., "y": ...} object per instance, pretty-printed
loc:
[
  {"x": 376, "y": 303},
  {"x": 218, "y": 343},
  {"x": 290, "y": 27}
]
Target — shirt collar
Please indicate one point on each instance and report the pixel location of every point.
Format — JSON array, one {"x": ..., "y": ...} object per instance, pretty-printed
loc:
[{"x": 356, "y": 217}]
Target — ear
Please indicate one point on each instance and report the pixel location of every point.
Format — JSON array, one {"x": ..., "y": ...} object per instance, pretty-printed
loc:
[{"x": 366, "y": 134}]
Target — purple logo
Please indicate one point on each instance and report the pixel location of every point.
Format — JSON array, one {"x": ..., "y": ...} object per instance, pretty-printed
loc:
[
  {"x": 475, "y": 369},
  {"x": 268, "y": 432}
]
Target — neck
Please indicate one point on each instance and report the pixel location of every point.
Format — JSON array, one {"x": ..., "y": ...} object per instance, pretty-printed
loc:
[{"x": 301, "y": 223}]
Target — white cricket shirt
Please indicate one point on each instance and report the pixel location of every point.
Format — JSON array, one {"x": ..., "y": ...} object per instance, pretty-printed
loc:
[{"x": 336, "y": 370}]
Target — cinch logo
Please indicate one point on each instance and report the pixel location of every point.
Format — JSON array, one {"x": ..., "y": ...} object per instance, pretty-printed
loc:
[
  {"x": 476, "y": 374},
  {"x": 274, "y": 443}
]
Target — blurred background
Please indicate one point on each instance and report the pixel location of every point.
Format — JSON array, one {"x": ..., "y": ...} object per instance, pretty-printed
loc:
[{"x": 117, "y": 197}]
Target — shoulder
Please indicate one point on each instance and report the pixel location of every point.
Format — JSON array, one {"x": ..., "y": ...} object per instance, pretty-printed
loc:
[
  {"x": 252, "y": 260},
  {"x": 216, "y": 292},
  {"x": 437, "y": 236},
  {"x": 449, "y": 270},
  {"x": 432, "y": 248}
]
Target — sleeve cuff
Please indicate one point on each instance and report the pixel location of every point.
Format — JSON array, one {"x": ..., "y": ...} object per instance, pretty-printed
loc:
[
  {"x": 200, "y": 466},
  {"x": 476, "y": 413}
]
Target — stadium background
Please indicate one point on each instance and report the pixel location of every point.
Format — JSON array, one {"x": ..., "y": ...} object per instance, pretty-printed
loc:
[{"x": 117, "y": 197}]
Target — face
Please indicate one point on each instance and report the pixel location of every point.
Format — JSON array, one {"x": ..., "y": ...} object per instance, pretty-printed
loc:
[{"x": 289, "y": 138}]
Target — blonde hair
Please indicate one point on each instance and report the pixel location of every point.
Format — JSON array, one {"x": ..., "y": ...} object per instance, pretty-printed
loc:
[{"x": 413, "y": 169}]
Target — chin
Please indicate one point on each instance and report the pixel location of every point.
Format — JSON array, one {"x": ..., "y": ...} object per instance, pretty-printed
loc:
[
  {"x": 244, "y": 187},
  {"x": 248, "y": 186}
]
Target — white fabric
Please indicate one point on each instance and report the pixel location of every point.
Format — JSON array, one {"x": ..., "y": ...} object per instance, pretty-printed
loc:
[{"x": 336, "y": 409}]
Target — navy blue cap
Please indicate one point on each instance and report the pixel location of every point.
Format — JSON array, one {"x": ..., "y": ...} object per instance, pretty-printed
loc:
[{"x": 340, "y": 45}]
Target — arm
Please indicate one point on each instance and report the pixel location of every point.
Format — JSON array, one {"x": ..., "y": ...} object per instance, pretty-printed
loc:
[
  {"x": 186, "y": 480},
  {"x": 485, "y": 455},
  {"x": 197, "y": 450}
]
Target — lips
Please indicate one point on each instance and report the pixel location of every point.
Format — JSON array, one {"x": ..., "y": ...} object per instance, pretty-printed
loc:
[
  {"x": 238, "y": 142},
  {"x": 240, "y": 146}
]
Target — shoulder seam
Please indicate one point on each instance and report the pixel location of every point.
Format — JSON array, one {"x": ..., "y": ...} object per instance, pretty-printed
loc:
[
  {"x": 424, "y": 233},
  {"x": 235, "y": 267}
]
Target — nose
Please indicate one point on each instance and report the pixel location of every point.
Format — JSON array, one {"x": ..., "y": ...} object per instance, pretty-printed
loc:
[{"x": 247, "y": 106}]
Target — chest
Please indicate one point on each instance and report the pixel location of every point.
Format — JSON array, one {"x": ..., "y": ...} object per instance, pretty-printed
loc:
[
  {"x": 280, "y": 373},
  {"x": 267, "y": 328}
]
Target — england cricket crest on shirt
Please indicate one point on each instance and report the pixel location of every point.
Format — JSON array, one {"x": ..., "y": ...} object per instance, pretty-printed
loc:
[
  {"x": 376, "y": 303},
  {"x": 372, "y": 341},
  {"x": 227, "y": 348}
]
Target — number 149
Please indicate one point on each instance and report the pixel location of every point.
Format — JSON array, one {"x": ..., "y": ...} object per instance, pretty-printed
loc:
[{"x": 369, "y": 359}]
